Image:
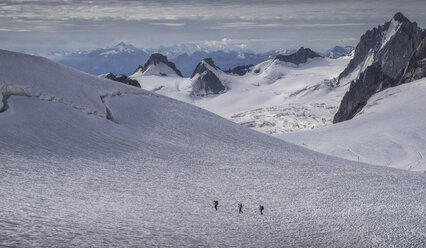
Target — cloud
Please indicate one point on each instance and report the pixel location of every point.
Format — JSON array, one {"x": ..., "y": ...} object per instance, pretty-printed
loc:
[
  {"x": 245, "y": 10},
  {"x": 167, "y": 24},
  {"x": 14, "y": 30},
  {"x": 251, "y": 25}
]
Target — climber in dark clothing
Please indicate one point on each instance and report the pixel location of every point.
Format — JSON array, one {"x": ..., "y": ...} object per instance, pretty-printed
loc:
[
  {"x": 216, "y": 203},
  {"x": 261, "y": 209},
  {"x": 240, "y": 208}
]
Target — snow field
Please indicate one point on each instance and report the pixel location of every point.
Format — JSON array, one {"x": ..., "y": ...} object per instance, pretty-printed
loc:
[
  {"x": 149, "y": 178},
  {"x": 389, "y": 131}
]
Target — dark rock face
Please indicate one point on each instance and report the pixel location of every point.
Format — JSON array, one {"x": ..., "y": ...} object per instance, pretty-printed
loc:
[
  {"x": 205, "y": 81},
  {"x": 139, "y": 68},
  {"x": 397, "y": 52},
  {"x": 157, "y": 58},
  {"x": 416, "y": 68},
  {"x": 123, "y": 79},
  {"x": 370, "y": 40},
  {"x": 240, "y": 70},
  {"x": 389, "y": 48},
  {"x": 301, "y": 56},
  {"x": 371, "y": 81}
]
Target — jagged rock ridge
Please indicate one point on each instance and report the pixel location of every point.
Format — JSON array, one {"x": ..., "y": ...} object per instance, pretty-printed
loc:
[
  {"x": 301, "y": 56},
  {"x": 391, "y": 46},
  {"x": 205, "y": 80}
]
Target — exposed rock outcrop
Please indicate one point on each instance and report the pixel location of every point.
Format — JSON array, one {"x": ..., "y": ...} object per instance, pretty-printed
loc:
[
  {"x": 301, "y": 56},
  {"x": 371, "y": 81},
  {"x": 138, "y": 69},
  {"x": 205, "y": 80},
  {"x": 122, "y": 79},
  {"x": 240, "y": 70}
]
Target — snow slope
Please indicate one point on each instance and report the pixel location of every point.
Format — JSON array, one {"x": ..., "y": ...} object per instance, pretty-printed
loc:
[
  {"x": 280, "y": 97},
  {"x": 143, "y": 171},
  {"x": 389, "y": 131}
]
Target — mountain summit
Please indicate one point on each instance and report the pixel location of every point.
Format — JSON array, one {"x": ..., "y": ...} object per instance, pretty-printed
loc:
[
  {"x": 158, "y": 65},
  {"x": 205, "y": 79},
  {"x": 390, "y": 46}
]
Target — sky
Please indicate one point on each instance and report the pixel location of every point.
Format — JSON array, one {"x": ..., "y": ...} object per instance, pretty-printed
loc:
[{"x": 262, "y": 25}]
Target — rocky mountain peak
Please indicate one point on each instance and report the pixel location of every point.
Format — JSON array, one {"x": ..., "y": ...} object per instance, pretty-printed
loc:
[
  {"x": 389, "y": 48},
  {"x": 301, "y": 56},
  {"x": 391, "y": 44},
  {"x": 205, "y": 79},
  {"x": 201, "y": 67},
  {"x": 210, "y": 62},
  {"x": 157, "y": 59},
  {"x": 399, "y": 17}
]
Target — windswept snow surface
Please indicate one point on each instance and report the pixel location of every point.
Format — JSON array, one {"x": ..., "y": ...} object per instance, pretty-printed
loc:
[
  {"x": 389, "y": 131},
  {"x": 149, "y": 177},
  {"x": 271, "y": 98}
]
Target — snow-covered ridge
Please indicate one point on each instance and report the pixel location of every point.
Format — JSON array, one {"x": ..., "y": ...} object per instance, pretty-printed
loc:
[{"x": 46, "y": 81}]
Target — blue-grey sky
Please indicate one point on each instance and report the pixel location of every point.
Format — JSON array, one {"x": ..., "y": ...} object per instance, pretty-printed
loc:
[{"x": 46, "y": 25}]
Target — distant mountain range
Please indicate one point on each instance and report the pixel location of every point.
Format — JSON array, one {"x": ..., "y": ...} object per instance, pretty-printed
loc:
[
  {"x": 337, "y": 52},
  {"x": 124, "y": 58}
]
